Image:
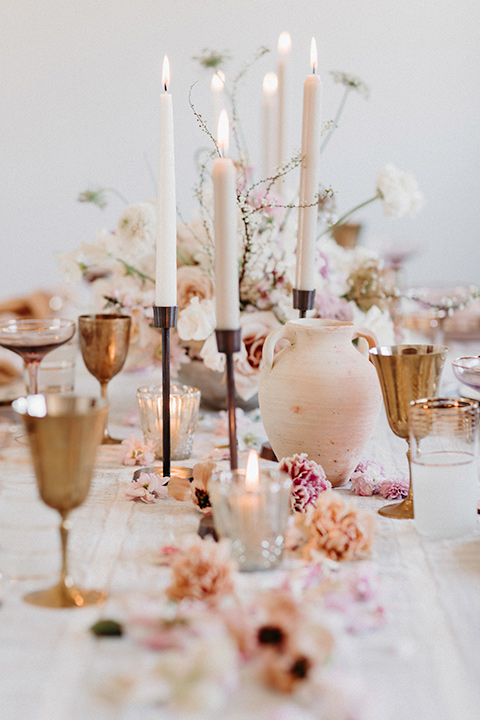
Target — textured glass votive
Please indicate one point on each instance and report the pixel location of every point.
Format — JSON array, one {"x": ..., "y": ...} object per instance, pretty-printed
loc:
[
  {"x": 253, "y": 520},
  {"x": 184, "y": 405}
]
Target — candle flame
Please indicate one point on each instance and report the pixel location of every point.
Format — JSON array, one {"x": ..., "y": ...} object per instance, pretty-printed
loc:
[
  {"x": 270, "y": 83},
  {"x": 218, "y": 81},
  {"x": 223, "y": 132},
  {"x": 313, "y": 55},
  {"x": 284, "y": 43},
  {"x": 252, "y": 473},
  {"x": 166, "y": 73}
]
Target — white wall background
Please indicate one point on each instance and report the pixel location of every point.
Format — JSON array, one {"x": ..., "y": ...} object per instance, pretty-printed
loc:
[{"x": 80, "y": 84}]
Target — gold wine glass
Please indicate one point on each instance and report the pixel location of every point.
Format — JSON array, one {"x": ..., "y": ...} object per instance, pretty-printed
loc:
[
  {"x": 406, "y": 373},
  {"x": 104, "y": 344},
  {"x": 64, "y": 433}
]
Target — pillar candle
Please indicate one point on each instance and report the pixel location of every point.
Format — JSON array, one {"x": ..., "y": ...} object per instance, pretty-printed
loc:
[
  {"x": 309, "y": 178},
  {"x": 224, "y": 177},
  {"x": 284, "y": 47},
  {"x": 270, "y": 85},
  {"x": 166, "y": 256}
]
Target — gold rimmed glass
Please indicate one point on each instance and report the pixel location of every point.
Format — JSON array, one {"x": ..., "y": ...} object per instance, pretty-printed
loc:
[
  {"x": 406, "y": 373},
  {"x": 104, "y": 343},
  {"x": 64, "y": 432}
]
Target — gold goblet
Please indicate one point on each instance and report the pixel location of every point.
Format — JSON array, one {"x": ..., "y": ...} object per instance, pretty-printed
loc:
[
  {"x": 104, "y": 344},
  {"x": 64, "y": 433},
  {"x": 406, "y": 373}
]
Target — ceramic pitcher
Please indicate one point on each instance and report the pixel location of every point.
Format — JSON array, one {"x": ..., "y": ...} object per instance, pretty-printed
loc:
[{"x": 320, "y": 394}]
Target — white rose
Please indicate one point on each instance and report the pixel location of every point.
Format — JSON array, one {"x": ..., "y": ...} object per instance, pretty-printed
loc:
[
  {"x": 212, "y": 359},
  {"x": 376, "y": 320},
  {"x": 197, "y": 320},
  {"x": 399, "y": 192},
  {"x": 138, "y": 223}
]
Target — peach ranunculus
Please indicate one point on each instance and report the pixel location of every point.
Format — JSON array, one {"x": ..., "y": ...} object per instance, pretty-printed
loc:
[
  {"x": 337, "y": 529},
  {"x": 192, "y": 281},
  {"x": 204, "y": 571},
  {"x": 255, "y": 328}
]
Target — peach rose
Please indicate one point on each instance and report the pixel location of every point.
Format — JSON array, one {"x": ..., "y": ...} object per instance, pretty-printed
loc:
[{"x": 192, "y": 281}]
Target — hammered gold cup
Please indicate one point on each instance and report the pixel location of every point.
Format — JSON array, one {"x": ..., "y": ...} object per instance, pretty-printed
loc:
[
  {"x": 104, "y": 343},
  {"x": 64, "y": 432},
  {"x": 406, "y": 373}
]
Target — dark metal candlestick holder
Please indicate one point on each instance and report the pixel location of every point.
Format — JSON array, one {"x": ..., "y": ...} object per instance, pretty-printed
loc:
[
  {"x": 228, "y": 342},
  {"x": 303, "y": 300},
  {"x": 165, "y": 318}
]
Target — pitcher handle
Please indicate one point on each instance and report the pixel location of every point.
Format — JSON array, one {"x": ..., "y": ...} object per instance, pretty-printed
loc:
[
  {"x": 367, "y": 335},
  {"x": 283, "y": 332}
]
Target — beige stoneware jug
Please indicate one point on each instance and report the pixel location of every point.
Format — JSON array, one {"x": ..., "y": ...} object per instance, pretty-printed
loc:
[{"x": 320, "y": 394}]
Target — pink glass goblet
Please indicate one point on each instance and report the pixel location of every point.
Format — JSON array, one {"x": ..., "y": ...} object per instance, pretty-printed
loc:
[{"x": 33, "y": 339}]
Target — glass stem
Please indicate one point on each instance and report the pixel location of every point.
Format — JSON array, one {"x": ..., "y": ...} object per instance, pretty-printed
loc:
[
  {"x": 32, "y": 368},
  {"x": 65, "y": 579},
  {"x": 103, "y": 392}
]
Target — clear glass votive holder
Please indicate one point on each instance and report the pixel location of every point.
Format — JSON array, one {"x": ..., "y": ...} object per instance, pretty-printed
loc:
[
  {"x": 184, "y": 406},
  {"x": 444, "y": 470},
  {"x": 254, "y": 521}
]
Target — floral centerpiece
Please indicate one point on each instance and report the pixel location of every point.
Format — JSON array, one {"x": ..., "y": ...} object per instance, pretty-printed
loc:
[{"x": 352, "y": 284}]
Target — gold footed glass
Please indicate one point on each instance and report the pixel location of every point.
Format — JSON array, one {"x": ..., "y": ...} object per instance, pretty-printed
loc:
[
  {"x": 104, "y": 343},
  {"x": 406, "y": 373},
  {"x": 64, "y": 433}
]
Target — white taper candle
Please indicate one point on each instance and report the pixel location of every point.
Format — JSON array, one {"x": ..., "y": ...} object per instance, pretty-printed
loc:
[
  {"x": 166, "y": 245},
  {"x": 305, "y": 278},
  {"x": 224, "y": 178}
]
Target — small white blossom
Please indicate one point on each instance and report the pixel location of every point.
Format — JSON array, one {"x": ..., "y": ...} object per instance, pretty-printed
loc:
[
  {"x": 376, "y": 320},
  {"x": 399, "y": 192},
  {"x": 352, "y": 82}
]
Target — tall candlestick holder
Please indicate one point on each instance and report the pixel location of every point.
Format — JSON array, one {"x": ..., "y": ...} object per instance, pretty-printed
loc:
[
  {"x": 165, "y": 317},
  {"x": 303, "y": 300},
  {"x": 229, "y": 342}
]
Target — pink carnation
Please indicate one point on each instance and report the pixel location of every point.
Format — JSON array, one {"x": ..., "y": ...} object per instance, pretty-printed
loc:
[
  {"x": 395, "y": 488},
  {"x": 367, "y": 478},
  {"x": 309, "y": 480},
  {"x": 148, "y": 488},
  {"x": 135, "y": 452}
]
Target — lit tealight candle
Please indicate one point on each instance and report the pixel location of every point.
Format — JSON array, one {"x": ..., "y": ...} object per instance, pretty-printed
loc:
[{"x": 252, "y": 472}]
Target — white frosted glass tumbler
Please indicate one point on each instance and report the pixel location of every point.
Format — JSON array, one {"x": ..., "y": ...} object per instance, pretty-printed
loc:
[{"x": 444, "y": 465}]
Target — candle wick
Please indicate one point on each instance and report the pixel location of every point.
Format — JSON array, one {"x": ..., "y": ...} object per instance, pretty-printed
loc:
[{"x": 165, "y": 87}]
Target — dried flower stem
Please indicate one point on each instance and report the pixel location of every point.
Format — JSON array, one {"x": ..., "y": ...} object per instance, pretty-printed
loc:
[
  {"x": 341, "y": 221},
  {"x": 336, "y": 119}
]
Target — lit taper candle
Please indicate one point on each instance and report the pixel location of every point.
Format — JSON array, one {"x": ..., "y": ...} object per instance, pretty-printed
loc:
[
  {"x": 224, "y": 178},
  {"x": 270, "y": 85},
  {"x": 284, "y": 47},
  {"x": 309, "y": 178},
  {"x": 166, "y": 261}
]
